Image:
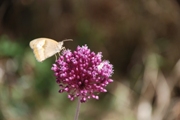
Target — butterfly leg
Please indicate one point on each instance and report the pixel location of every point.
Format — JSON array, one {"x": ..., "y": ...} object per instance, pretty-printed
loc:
[
  {"x": 55, "y": 56},
  {"x": 63, "y": 48},
  {"x": 59, "y": 54}
]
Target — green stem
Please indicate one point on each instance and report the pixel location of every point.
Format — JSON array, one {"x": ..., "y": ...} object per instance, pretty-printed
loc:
[{"x": 77, "y": 109}]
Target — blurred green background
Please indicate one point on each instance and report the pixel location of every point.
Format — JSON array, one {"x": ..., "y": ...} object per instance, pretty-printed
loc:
[{"x": 141, "y": 38}]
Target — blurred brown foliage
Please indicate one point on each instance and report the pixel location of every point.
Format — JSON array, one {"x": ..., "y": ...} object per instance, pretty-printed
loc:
[{"x": 140, "y": 38}]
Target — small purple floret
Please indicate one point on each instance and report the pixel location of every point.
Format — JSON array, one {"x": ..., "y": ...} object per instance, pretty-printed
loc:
[{"x": 82, "y": 73}]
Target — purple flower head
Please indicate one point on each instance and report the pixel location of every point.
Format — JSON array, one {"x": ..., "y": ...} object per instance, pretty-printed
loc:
[{"x": 82, "y": 73}]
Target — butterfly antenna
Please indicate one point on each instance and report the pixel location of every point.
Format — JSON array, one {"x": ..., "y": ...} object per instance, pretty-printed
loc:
[{"x": 67, "y": 40}]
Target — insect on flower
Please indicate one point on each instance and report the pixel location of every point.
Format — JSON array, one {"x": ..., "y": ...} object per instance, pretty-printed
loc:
[
  {"x": 44, "y": 47},
  {"x": 82, "y": 73}
]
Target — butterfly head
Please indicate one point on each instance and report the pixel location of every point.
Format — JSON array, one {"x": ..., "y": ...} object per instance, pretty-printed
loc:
[{"x": 60, "y": 45}]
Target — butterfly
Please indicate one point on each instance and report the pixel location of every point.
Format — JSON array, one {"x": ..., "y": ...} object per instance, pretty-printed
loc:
[{"x": 44, "y": 48}]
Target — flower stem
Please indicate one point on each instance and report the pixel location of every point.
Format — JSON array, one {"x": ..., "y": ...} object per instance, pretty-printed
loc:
[{"x": 77, "y": 109}]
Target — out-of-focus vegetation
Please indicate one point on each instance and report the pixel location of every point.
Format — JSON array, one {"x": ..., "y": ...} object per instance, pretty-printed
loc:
[{"x": 140, "y": 38}]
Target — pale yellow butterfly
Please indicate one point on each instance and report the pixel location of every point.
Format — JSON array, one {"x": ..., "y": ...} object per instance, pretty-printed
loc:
[{"x": 45, "y": 47}]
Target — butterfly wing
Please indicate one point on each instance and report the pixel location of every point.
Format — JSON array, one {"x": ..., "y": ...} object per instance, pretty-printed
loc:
[
  {"x": 44, "y": 48},
  {"x": 51, "y": 48}
]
